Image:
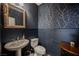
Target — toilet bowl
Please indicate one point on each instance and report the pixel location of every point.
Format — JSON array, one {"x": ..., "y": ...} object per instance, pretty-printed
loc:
[{"x": 39, "y": 50}]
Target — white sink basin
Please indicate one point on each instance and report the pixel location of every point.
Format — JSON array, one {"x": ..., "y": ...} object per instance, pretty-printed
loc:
[{"x": 16, "y": 45}]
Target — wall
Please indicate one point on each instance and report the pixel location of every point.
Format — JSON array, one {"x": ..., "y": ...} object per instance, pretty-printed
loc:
[
  {"x": 56, "y": 23},
  {"x": 32, "y": 15}
]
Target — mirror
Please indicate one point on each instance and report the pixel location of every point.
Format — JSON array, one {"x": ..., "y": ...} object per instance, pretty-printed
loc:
[{"x": 14, "y": 16}]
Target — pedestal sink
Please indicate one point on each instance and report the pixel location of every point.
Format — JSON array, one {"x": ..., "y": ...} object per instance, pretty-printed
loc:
[{"x": 16, "y": 46}]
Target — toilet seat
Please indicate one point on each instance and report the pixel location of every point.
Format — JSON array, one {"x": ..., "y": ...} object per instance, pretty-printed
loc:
[{"x": 40, "y": 50}]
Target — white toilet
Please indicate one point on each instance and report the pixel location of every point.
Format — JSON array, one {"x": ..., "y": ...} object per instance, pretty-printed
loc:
[{"x": 39, "y": 50}]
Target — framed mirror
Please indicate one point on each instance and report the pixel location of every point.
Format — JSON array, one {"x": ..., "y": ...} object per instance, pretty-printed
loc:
[{"x": 14, "y": 16}]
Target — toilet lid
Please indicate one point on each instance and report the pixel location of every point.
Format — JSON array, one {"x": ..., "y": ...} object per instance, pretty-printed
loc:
[{"x": 40, "y": 50}]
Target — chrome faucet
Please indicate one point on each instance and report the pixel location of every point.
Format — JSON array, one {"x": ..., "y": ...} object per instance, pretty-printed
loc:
[{"x": 23, "y": 36}]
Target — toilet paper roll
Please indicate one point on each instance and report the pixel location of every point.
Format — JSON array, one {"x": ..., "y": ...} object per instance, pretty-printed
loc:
[{"x": 72, "y": 44}]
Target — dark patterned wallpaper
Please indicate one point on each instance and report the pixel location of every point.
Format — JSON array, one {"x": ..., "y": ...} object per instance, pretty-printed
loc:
[
  {"x": 56, "y": 23},
  {"x": 65, "y": 15},
  {"x": 61, "y": 15}
]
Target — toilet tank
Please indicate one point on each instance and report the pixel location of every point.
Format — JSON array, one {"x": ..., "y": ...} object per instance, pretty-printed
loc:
[{"x": 34, "y": 42}]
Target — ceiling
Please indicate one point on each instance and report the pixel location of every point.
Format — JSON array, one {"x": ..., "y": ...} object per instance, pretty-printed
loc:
[
  {"x": 22, "y": 4},
  {"x": 38, "y": 4}
]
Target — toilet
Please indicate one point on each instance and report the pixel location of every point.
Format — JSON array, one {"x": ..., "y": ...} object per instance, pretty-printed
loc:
[{"x": 39, "y": 50}]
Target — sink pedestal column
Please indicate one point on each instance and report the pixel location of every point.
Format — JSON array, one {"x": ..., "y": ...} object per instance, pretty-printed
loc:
[{"x": 18, "y": 52}]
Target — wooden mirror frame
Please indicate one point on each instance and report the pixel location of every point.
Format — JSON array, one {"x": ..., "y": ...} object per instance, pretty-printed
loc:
[{"x": 6, "y": 15}]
